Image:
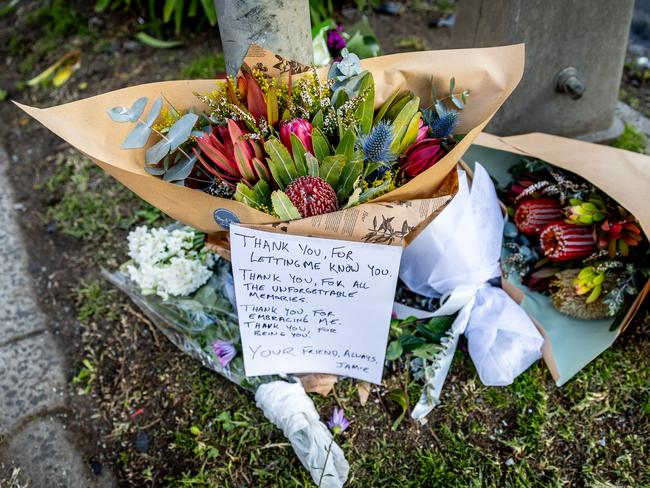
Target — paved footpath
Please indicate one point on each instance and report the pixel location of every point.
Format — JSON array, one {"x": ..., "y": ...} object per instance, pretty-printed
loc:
[{"x": 33, "y": 442}]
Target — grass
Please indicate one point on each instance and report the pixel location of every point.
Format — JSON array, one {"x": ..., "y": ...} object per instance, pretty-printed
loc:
[
  {"x": 92, "y": 205},
  {"x": 206, "y": 67},
  {"x": 631, "y": 139}
]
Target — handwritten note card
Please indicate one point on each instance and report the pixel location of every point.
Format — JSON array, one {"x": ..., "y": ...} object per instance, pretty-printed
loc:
[{"x": 312, "y": 305}]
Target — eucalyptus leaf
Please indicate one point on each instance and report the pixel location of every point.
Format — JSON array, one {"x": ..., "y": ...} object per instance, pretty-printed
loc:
[
  {"x": 177, "y": 135},
  {"x": 181, "y": 170},
  {"x": 154, "y": 170},
  {"x": 139, "y": 136},
  {"x": 123, "y": 114},
  {"x": 457, "y": 102}
]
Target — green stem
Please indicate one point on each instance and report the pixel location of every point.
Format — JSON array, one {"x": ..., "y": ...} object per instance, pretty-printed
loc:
[{"x": 327, "y": 457}]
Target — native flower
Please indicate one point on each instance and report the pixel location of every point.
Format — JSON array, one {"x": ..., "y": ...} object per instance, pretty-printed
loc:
[
  {"x": 301, "y": 128},
  {"x": 376, "y": 145},
  {"x": 337, "y": 422},
  {"x": 586, "y": 213},
  {"x": 619, "y": 235},
  {"x": 531, "y": 216},
  {"x": 421, "y": 156},
  {"x": 423, "y": 130},
  {"x": 445, "y": 125},
  {"x": 311, "y": 196},
  {"x": 225, "y": 351},
  {"x": 563, "y": 242},
  {"x": 231, "y": 156},
  {"x": 589, "y": 279}
]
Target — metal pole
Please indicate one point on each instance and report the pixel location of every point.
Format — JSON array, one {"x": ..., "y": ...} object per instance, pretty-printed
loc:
[{"x": 281, "y": 26}]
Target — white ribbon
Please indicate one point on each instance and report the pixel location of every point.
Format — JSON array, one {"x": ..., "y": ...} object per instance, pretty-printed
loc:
[
  {"x": 454, "y": 258},
  {"x": 290, "y": 409}
]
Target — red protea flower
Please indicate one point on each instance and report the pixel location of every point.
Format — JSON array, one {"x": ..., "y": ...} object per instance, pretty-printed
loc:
[
  {"x": 312, "y": 195},
  {"x": 563, "y": 242},
  {"x": 301, "y": 128},
  {"x": 228, "y": 154},
  {"x": 531, "y": 216},
  {"x": 420, "y": 156}
]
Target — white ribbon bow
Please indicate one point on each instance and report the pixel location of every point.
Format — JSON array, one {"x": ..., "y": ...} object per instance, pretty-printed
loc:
[{"x": 454, "y": 258}]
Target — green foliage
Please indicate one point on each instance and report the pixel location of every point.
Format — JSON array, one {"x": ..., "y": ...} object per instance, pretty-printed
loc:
[
  {"x": 86, "y": 376},
  {"x": 631, "y": 139},
  {"x": 94, "y": 301},
  {"x": 164, "y": 12},
  {"x": 88, "y": 203},
  {"x": 57, "y": 19},
  {"x": 206, "y": 67}
]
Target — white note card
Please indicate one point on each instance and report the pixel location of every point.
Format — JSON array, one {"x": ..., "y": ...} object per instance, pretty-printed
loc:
[{"x": 313, "y": 305}]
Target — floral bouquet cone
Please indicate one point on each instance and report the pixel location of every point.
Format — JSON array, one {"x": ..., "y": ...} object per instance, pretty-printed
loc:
[{"x": 489, "y": 74}]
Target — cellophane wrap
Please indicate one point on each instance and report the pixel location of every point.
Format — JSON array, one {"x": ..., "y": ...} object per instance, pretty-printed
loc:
[{"x": 456, "y": 257}]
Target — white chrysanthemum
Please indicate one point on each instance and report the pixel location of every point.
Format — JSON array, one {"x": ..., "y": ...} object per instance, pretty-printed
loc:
[{"x": 168, "y": 263}]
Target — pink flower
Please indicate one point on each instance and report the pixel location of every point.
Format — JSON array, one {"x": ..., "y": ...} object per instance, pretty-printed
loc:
[
  {"x": 423, "y": 130},
  {"x": 421, "y": 156},
  {"x": 301, "y": 128}
]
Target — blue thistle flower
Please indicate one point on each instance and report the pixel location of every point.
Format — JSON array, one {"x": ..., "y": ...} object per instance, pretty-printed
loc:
[
  {"x": 445, "y": 125},
  {"x": 376, "y": 145}
]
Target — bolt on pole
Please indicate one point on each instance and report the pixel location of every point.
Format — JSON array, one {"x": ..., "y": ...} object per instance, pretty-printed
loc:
[{"x": 281, "y": 26}]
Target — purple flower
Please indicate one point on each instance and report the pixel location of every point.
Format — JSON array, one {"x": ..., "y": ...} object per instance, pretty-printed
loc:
[
  {"x": 335, "y": 41},
  {"x": 337, "y": 422},
  {"x": 225, "y": 351}
]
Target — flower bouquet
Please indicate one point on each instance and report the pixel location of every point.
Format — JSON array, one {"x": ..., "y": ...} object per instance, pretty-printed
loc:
[
  {"x": 575, "y": 249},
  {"x": 282, "y": 139}
]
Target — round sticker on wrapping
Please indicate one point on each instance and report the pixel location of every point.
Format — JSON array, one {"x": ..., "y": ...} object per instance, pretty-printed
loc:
[{"x": 225, "y": 217}]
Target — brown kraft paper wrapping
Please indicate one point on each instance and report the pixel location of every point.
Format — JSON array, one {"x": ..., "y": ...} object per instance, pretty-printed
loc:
[
  {"x": 623, "y": 175},
  {"x": 491, "y": 74}
]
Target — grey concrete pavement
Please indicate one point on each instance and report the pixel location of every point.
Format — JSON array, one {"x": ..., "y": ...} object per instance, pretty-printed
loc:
[{"x": 33, "y": 384}]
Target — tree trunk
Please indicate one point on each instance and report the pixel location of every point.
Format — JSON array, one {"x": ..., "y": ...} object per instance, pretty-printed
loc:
[{"x": 281, "y": 26}]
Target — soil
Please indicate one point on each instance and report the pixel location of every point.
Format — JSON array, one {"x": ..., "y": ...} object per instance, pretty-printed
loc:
[{"x": 131, "y": 352}]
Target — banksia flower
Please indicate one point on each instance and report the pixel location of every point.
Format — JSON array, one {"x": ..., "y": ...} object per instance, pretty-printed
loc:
[
  {"x": 567, "y": 301},
  {"x": 301, "y": 128},
  {"x": 376, "y": 145},
  {"x": 563, "y": 242},
  {"x": 445, "y": 125},
  {"x": 312, "y": 195},
  {"x": 586, "y": 213},
  {"x": 531, "y": 216}
]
